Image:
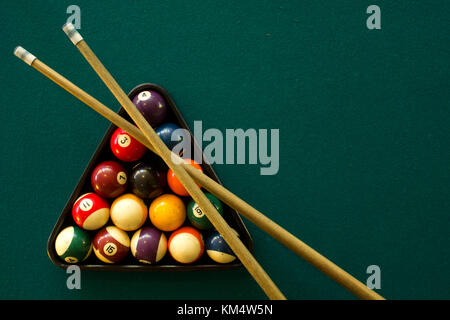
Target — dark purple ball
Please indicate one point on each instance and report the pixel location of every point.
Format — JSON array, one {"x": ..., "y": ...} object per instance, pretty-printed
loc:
[{"x": 152, "y": 106}]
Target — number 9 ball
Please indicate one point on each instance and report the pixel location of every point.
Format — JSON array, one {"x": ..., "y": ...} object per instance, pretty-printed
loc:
[{"x": 197, "y": 217}]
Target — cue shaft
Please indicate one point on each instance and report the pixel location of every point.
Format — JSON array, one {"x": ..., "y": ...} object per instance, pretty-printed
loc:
[
  {"x": 244, "y": 255},
  {"x": 253, "y": 215}
]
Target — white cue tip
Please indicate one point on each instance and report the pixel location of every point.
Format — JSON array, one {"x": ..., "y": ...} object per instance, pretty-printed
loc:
[
  {"x": 24, "y": 55},
  {"x": 72, "y": 33}
]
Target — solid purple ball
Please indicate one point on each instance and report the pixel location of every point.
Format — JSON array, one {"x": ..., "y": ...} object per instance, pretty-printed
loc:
[{"x": 152, "y": 106}]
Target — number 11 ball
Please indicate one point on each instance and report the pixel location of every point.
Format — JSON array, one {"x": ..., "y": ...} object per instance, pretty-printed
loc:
[
  {"x": 73, "y": 244},
  {"x": 90, "y": 211}
]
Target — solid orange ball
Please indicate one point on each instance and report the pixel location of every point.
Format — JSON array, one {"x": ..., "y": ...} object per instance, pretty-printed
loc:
[
  {"x": 175, "y": 185},
  {"x": 167, "y": 212}
]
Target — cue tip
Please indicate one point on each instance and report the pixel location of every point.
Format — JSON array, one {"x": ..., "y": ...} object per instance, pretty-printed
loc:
[
  {"x": 24, "y": 55},
  {"x": 72, "y": 33}
]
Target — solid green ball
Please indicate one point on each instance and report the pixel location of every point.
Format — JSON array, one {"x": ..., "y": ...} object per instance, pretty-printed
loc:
[{"x": 196, "y": 215}]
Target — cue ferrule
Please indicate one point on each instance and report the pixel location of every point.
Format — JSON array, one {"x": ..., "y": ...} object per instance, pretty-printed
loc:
[
  {"x": 72, "y": 33},
  {"x": 24, "y": 55}
]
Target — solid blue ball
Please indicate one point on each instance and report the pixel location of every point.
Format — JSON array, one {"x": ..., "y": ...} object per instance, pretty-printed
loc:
[{"x": 165, "y": 132}]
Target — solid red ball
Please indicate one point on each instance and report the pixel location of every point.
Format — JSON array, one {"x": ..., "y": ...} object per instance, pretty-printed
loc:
[{"x": 125, "y": 147}]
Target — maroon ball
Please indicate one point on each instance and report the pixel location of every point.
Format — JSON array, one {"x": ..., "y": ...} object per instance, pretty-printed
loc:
[
  {"x": 152, "y": 106},
  {"x": 111, "y": 245},
  {"x": 109, "y": 179}
]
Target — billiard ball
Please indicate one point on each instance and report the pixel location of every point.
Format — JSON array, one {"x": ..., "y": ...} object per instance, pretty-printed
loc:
[
  {"x": 128, "y": 212},
  {"x": 152, "y": 106},
  {"x": 175, "y": 185},
  {"x": 111, "y": 244},
  {"x": 125, "y": 147},
  {"x": 73, "y": 244},
  {"x": 109, "y": 179},
  {"x": 165, "y": 132},
  {"x": 148, "y": 245},
  {"x": 147, "y": 181},
  {"x": 167, "y": 212},
  {"x": 90, "y": 211},
  {"x": 186, "y": 245},
  {"x": 197, "y": 217},
  {"x": 217, "y": 249}
]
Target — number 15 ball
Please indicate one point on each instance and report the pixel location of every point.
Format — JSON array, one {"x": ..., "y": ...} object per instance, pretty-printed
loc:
[{"x": 111, "y": 245}]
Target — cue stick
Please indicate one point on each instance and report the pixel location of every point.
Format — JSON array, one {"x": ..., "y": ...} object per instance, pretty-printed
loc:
[
  {"x": 241, "y": 251},
  {"x": 253, "y": 215}
]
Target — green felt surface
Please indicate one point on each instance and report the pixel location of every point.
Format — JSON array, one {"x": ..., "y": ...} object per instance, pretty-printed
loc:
[{"x": 364, "y": 135}]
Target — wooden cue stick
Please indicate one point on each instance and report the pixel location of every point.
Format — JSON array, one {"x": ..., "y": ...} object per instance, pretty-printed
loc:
[
  {"x": 253, "y": 215},
  {"x": 244, "y": 255}
]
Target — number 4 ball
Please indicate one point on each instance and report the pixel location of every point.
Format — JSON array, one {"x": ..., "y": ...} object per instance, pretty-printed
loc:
[
  {"x": 90, "y": 211},
  {"x": 125, "y": 147},
  {"x": 152, "y": 106},
  {"x": 73, "y": 245}
]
